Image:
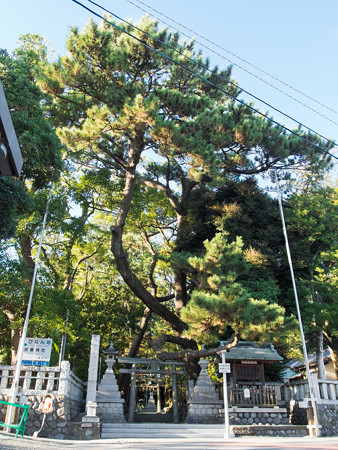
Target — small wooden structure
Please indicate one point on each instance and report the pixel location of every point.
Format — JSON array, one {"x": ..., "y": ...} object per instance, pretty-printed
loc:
[{"x": 247, "y": 379}]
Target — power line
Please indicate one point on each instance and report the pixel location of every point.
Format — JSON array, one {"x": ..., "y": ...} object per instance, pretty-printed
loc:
[
  {"x": 241, "y": 59},
  {"x": 210, "y": 71},
  {"x": 208, "y": 81}
]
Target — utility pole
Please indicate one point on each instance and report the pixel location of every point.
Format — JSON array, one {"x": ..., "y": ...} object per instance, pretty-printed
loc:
[{"x": 307, "y": 366}]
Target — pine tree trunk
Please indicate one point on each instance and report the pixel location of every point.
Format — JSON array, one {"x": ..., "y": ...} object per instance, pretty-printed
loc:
[
  {"x": 320, "y": 355},
  {"x": 121, "y": 259},
  {"x": 180, "y": 288},
  {"x": 333, "y": 347},
  {"x": 15, "y": 339}
]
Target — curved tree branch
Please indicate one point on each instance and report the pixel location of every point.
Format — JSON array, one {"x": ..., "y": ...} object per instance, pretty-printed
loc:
[
  {"x": 121, "y": 259},
  {"x": 185, "y": 355}
]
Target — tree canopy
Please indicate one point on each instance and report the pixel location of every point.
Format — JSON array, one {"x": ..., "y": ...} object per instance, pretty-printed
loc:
[
  {"x": 160, "y": 129},
  {"x": 162, "y": 161}
]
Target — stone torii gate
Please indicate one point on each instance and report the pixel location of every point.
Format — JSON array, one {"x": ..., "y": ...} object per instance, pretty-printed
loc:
[{"x": 175, "y": 369}]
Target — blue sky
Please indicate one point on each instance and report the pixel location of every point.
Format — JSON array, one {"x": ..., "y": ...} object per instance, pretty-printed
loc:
[{"x": 296, "y": 41}]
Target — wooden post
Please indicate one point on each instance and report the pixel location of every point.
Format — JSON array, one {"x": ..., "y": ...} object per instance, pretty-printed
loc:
[
  {"x": 262, "y": 374},
  {"x": 175, "y": 399},
  {"x": 132, "y": 395},
  {"x": 158, "y": 397},
  {"x": 311, "y": 422}
]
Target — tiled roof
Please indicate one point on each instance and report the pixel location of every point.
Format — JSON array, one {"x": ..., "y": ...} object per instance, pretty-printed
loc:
[
  {"x": 246, "y": 350},
  {"x": 298, "y": 364}
]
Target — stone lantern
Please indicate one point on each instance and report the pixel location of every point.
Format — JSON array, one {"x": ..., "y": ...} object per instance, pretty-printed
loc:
[
  {"x": 204, "y": 403},
  {"x": 111, "y": 354},
  {"x": 108, "y": 396}
]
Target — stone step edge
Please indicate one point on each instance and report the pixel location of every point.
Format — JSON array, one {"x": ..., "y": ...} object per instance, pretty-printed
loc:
[
  {"x": 237, "y": 430},
  {"x": 163, "y": 436},
  {"x": 198, "y": 428},
  {"x": 269, "y": 425},
  {"x": 178, "y": 426},
  {"x": 170, "y": 426}
]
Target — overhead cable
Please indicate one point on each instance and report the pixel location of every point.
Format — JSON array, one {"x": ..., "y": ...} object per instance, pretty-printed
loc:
[
  {"x": 208, "y": 81},
  {"x": 241, "y": 59}
]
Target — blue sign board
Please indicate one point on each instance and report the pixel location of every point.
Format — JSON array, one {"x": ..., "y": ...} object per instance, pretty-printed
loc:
[
  {"x": 35, "y": 363},
  {"x": 36, "y": 351}
]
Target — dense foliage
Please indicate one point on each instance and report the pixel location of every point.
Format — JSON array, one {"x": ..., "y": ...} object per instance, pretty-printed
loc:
[{"x": 158, "y": 231}]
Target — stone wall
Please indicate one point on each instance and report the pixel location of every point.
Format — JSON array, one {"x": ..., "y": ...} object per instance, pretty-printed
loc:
[
  {"x": 110, "y": 412},
  {"x": 258, "y": 416},
  {"x": 238, "y": 416},
  {"x": 56, "y": 422},
  {"x": 205, "y": 413},
  {"x": 328, "y": 419},
  {"x": 35, "y": 382},
  {"x": 270, "y": 430}
]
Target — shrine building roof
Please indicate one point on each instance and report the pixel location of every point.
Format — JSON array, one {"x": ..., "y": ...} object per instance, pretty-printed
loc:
[{"x": 250, "y": 351}]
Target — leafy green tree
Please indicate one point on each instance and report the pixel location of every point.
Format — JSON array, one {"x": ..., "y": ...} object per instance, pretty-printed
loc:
[
  {"x": 41, "y": 151},
  {"x": 220, "y": 304},
  {"x": 311, "y": 218},
  {"x": 38, "y": 142},
  {"x": 155, "y": 126},
  {"x": 15, "y": 201}
]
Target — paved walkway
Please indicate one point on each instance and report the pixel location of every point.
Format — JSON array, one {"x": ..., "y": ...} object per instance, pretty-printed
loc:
[{"x": 8, "y": 441}]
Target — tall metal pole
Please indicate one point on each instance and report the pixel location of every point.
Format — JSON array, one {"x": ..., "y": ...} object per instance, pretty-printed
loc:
[
  {"x": 15, "y": 385},
  {"x": 312, "y": 398}
]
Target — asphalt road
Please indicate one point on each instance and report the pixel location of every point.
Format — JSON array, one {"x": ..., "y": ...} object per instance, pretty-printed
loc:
[{"x": 241, "y": 443}]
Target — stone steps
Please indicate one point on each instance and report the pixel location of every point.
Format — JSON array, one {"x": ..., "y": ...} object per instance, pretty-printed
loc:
[
  {"x": 186, "y": 431},
  {"x": 150, "y": 417},
  {"x": 160, "y": 430}
]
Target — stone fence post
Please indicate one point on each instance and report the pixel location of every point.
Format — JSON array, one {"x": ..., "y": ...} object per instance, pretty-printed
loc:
[
  {"x": 90, "y": 421},
  {"x": 64, "y": 382}
]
